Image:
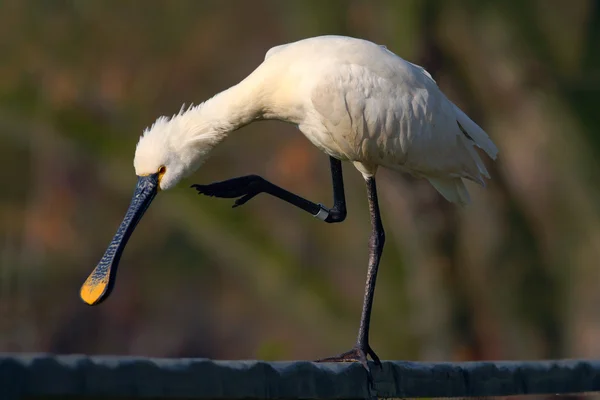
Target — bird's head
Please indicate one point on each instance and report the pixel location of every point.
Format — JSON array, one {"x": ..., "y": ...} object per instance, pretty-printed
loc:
[
  {"x": 171, "y": 149},
  {"x": 167, "y": 152}
]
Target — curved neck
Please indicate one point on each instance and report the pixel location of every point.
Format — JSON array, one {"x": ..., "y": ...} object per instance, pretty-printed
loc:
[
  {"x": 192, "y": 133},
  {"x": 195, "y": 131},
  {"x": 230, "y": 109}
]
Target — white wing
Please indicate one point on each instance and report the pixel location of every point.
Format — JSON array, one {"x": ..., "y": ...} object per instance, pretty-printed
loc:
[
  {"x": 363, "y": 103},
  {"x": 387, "y": 111}
]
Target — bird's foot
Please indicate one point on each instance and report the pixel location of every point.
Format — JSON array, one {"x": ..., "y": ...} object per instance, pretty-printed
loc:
[
  {"x": 244, "y": 187},
  {"x": 357, "y": 354}
]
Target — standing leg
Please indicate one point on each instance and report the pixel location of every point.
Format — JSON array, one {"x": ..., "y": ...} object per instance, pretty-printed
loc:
[
  {"x": 247, "y": 187},
  {"x": 376, "y": 242}
]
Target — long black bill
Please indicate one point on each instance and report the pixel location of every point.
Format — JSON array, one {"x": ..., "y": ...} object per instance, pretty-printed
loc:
[{"x": 99, "y": 284}]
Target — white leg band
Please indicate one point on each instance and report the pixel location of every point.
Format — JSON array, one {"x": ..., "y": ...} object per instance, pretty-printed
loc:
[{"x": 322, "y": 214}]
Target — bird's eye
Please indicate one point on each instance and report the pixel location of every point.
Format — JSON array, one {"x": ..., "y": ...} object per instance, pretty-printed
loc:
[{"x": 161, "y": 172}]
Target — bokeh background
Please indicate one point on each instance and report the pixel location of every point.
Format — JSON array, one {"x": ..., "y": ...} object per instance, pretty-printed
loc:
[{"x": 515, "y": 275}]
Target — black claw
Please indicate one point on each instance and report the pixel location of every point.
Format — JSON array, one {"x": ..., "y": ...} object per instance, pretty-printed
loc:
[
  {"x": 374, "y": 356},
  {"x": 202, "y": 189},
  {"x": 357, "y": 354},
  {"x": 243, "y": 200}
]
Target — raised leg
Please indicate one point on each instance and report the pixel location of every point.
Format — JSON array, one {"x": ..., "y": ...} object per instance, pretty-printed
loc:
[
  {"x": 246, "y": 187},
  {"x": 362, "y": 349}
]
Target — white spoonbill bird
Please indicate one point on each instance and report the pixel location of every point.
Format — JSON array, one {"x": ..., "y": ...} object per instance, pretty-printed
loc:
[{"x": 354, "y": 100}]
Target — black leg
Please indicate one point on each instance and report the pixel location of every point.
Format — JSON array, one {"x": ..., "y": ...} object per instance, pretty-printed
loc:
[
  {"x": 376, "y": 242},
  {"x": 246, "y": 187}
]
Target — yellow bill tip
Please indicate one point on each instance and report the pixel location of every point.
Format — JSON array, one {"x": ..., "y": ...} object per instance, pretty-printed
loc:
[{"x": 92, "y": 290}]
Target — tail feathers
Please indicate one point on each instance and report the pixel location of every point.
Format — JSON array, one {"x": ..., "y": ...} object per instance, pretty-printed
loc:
[
  {"x": 453, "y": 189},
  {"x": 474, "y": 158},
  {"x": 481, "y": 139},
  {"x": 472, "y": 167}
]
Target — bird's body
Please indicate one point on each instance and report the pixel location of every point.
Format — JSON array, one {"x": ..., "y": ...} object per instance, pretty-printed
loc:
[
  {"x": 354, "y": 100},
  {"x": 359, "y": 102}
]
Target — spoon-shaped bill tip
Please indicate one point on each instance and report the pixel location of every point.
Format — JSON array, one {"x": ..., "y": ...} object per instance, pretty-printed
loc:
[
  {"x": 99, "y": 284},
  {"x": 94, "y": 288}
]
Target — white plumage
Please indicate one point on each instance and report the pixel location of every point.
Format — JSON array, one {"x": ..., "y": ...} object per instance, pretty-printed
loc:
[{"x": 353, "y": 99}]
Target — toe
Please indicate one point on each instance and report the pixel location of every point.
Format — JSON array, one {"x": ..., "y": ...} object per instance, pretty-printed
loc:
[
  {"x": 374, "y": 356},
  {"x": 202, "y": 189}
]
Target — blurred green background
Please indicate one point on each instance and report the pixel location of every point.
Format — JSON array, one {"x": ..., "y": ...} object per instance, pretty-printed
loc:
[{"x": 515, "y": 275}]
